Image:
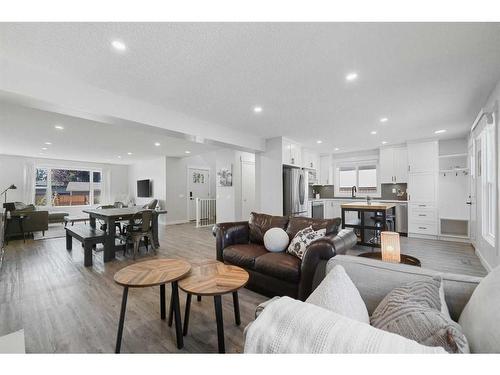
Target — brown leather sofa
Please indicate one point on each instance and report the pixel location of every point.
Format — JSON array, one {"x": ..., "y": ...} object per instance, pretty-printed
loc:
[{"x": 279, "y": 274}]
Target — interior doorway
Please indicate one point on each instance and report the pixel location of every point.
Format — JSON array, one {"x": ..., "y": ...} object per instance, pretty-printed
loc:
[
  {"x": 247, "y": 188},
  {"x": 198, "y": 186}
]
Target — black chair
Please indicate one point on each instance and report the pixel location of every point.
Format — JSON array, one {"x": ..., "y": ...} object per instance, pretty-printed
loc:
[
  {"x": 151, "y": 205},
  {"x": 140, "y": 227}
]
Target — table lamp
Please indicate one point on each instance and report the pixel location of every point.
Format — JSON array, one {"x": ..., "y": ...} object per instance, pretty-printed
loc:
[{"x": 391, "y": 249}]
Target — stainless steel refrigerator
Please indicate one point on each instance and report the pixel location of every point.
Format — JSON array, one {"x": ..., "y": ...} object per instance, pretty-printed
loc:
[{"x": 294, "y": 191}]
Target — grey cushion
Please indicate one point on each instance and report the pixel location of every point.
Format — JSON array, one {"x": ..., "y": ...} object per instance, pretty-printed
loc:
[
  {"x": 374, "y": 279},
  {"x": 414, "y": 311},
  {"x": 337, "y": 293},
  {"x": 481, "y": 316}
]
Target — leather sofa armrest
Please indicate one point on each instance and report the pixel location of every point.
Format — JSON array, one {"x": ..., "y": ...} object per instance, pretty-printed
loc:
[
  {"x": 322, "y": 250},
  {"x": 227, "y": 234}
]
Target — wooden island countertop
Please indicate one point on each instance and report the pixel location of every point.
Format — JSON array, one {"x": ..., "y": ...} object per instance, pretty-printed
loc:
[{"x": 366, "y": 206}]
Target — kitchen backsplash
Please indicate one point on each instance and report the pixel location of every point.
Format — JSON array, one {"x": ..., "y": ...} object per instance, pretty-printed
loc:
[
  {"x": 324, "y": 191},
  {"x": 394, "y": 191}
]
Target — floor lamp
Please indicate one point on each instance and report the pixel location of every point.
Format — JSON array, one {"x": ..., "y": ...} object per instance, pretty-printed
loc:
[{"x": 11, "y": 187}]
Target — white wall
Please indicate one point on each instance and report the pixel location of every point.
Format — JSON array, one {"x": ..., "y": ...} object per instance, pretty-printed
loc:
[
  {"x": 176, "y": 188},
  {"x": 154, "y": 170},
  {"x": 490, "y": 255},
  {"x": 14, "y": 170},
  {"x": 269, "y": 178}
]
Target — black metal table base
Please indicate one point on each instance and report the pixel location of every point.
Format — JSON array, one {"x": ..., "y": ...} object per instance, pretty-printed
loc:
[
  {"x": 218, "y": 317},
  {"x": 173, "y": 312}
]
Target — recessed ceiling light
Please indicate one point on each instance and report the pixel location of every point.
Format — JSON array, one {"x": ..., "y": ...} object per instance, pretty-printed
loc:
[
  {"x": 384, "y": 119},
  {"x": 384, "y": 142},
  {"x": 319, "y": 141},
  {"x": 373, "y": 132},
  {"x": 440, "y": 131},
  {"x": 157, "y": 144},
  {"x": 351, "y": 76},
  {"x": 257, "y": 109},
  {"x": 48, "y": 143},
  {"x": 336, "y": 149},
  {"x": 44, "y": 148},
  {"x": 59, "y": 127},
  {"x": 119, "y": 157},
  {"x": 118, "y": 45},
  {"x": 187, "y": 152},
  {"x": 129, "y": 153}
]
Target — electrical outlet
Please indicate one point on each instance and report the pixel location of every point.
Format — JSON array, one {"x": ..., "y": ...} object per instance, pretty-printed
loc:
[{"x": 393, "y": 190}]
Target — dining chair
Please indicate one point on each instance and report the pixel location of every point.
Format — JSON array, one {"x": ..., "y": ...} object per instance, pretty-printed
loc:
[
  {"x": 140, "y": 227},
  {"x": 151, "y": 205}
]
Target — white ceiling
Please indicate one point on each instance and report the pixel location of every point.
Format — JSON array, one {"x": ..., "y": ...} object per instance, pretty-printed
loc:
[
  {"x": 422, "y": 76},
  {"x": 24, "y": 131}
]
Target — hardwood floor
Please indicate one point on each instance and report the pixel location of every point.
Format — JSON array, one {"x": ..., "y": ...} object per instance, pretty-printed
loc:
[{"x": 65, "y": 307}]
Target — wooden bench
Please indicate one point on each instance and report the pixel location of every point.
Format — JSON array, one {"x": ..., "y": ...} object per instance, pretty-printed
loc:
[
  {"x": 88, "y": 236},
  {"x": 75, "y": 219}
]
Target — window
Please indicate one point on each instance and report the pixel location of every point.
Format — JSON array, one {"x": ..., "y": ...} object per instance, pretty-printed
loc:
[
  {"x": 67, "y": 187},
  {"x": 363, "y": 176},
  {"x": 488, "y": 182}
]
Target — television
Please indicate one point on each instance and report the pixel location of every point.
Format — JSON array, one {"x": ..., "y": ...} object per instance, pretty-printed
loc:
[{"x": 143, "y": 188}]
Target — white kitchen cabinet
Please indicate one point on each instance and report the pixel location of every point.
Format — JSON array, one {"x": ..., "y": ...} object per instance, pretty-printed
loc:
[
  {"x": 291, "y": 153},
  {"x": 423, "y": 157},
  {"x": 326, "y": 170},
  {"x": 393, "y": 164},
  {"x": 310, "y": 160},
  {"x": 422, "y": 187},
  {"x": 329, "y": 209}
]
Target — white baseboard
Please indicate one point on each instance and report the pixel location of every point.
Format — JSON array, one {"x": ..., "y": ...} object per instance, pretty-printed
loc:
[
  {"x": 483, "y": 261},
  {"x": 174, "y": 222}
]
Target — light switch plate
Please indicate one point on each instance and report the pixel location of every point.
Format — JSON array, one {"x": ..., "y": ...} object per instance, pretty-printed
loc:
[{"x": 393, "y": 190}]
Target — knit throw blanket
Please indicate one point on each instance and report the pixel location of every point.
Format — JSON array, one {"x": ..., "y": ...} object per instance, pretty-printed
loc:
[{"x": 287, "y": 325}]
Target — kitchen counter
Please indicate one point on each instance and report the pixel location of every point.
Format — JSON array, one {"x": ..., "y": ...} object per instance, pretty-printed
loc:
[
  {"x": 357, "y": 199},
  {"x": 365, "y": 206}
]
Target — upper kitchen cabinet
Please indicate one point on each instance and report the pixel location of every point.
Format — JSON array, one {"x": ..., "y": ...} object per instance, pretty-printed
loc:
[
  {"x": 393, "y": 165},
  {"x": 423, "y": 157},
  {"x": 292, "y": 153},
  {"x": 326, "y": 170},
  {"x": 310, "y": 160}
]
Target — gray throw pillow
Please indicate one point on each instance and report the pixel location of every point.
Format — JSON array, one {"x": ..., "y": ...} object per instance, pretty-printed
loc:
[{"x": 414, "y": 311}]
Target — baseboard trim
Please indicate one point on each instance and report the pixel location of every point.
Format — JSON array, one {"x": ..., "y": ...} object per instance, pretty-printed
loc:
[
  {"x": 482, "y": 260},
  {"x": 174, "y": 222}
]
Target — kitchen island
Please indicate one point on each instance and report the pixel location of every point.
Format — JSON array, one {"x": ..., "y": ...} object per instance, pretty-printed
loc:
[{"x": 372, "y": 219}]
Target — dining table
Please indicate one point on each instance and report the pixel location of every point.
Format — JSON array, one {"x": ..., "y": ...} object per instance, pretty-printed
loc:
[{"x": 110, "y": 216}]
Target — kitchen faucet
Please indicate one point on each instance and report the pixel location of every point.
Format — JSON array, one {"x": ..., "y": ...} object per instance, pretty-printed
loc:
[{"x": 353, "y": 192}]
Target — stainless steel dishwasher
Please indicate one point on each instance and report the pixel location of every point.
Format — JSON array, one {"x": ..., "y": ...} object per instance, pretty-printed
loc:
[
  {"x": 318, "y": 210},
  {"x": 402, "y": 218}
]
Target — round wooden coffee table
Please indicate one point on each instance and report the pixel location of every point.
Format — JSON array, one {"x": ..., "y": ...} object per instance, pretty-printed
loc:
[
  {"x": 213, "y": 278},
  {"x": 405, "y": 259},
  {"x": 151, "y": 273}
]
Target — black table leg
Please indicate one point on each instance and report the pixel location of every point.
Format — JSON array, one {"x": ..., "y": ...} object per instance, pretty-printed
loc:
[
  {"x": 177, "y": 314},
  {"x": 162, "y": 302},
  {"x": 155, "y": 230},
  {"x": 186, "y": 314},
  {"x": 171, "y": 311},
  {"x": 92, "y": 222},
  {"x": 236, "y": 304},
  {"x": 198, "y": 298},
  {"x": 122, "y": 320},
  {"x": 220, "y": 323},
  {"x": 109, "y": 243}
]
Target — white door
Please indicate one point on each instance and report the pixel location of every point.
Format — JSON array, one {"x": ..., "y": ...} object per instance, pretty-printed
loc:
[
  {"x": 247, "y": 189},
  {"x": 198, "y": 187},
  {"x": 472, "y": 196}
]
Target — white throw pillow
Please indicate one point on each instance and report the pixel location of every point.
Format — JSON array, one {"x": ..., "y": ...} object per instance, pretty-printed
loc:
[
  {"x": 275, "y": 240},
  {"x": 338, "y": 293},
  {"x": 480, "y": 319},
  {"x": 303, "y": 239}
]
